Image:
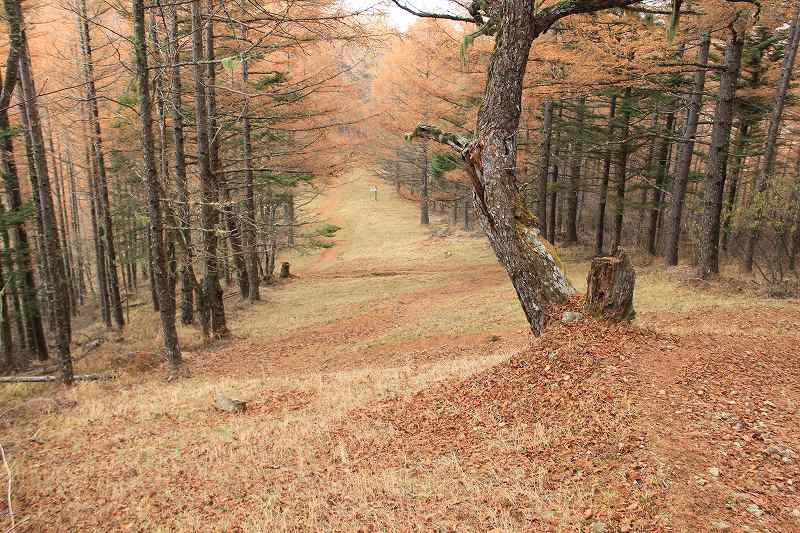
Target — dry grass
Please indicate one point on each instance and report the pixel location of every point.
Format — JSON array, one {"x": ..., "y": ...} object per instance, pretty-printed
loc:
[{"x": 155, "y": 456}]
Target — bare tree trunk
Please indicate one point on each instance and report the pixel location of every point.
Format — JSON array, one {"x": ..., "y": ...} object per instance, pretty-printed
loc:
[
  {"x": 57, "y": 273},
  {"x": 767, "y": 168},
  {"x": 718, "y": 156},
  {"x": 34, "y": 330},
  {"x": 575, "y": 162},
  {"x": 544, "y": 164},
  {"x": 424, "y": 201},
  {"x": 188, "y": 278},
  {"x": 739, "y": 158},
  {"x": 104, "y": 221},
  {"x": 600, "y": 226},
  {"x": 100, "y": 263},
  {"x": 661, "y": 176},
  {"x": 250, "y": 233},
  {"x": 159, "y": 262},
  {"x": 622, "y": 168},
  {"x": 212, "y": 291}
]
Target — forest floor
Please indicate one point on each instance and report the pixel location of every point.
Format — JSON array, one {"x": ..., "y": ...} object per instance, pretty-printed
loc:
[{"x": 393, "y": 386}]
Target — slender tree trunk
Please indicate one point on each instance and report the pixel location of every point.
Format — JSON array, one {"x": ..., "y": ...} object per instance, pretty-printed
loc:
[
  {"x": 661, "y": 176},
  {"x": 57, "y": 273},
  {"x": 424, "y": 201},
  {"x": 250, "y": 233},
  {"x": 5, "y": 324},
  {"x": 77, "y": 237},
  {"x": 622, "y": 169},
  {"x": 544, "y": 164},
  {"x": 718, "y": 156},
  {"x": 212, "y": 291},
  {"x": 576, "y": 159},
  {"x": 739, "y": 158},
  {"x": 188, "y": 278},
  {"x": 100, "y": 263},
  {"x": 767, "y": 168},
  {"x": 679, "y": 184},
  {"x": 13, "y": 284},
  {"x": 159, "y": 262},
  {"x": 600, "y": 225},
  {"x": 104, "y": 221}
]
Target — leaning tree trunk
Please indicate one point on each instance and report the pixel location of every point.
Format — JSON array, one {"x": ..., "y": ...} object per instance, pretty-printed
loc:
[
  {"x": 718, "y": 156},
  {"x": 609, "y": 287}
]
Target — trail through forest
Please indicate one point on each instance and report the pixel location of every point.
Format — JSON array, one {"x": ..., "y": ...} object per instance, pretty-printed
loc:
[{"x": 393, "y": 384}]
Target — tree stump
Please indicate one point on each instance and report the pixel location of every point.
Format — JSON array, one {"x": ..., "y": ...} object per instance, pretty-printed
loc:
[
  {"x": 610, "y": 284},
  {"x": 284, "y": 270}
]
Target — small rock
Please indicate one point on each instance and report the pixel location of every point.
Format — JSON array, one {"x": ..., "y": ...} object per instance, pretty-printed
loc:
[
  {"x": 569, "y": 316},
  {"x": 754, "y": 510},
  {"x": 701, "y": 481},
  {"x": 548, "y": 515},
  {"x": 598, "y": 527},
  {"x": 713, "y": 471},
  {"x": 230, "y": 405},
  {"x": 796, "y": 513},
  {"x": 587, "y": 514},
  {"x": 721, "y": 525}
]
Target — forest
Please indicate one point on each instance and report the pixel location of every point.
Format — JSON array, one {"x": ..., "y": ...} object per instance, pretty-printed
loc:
[{"x": 327, "y": 265}]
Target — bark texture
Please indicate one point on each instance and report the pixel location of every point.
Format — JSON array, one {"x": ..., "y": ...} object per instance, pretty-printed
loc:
[{"x": 609, "y": 287}]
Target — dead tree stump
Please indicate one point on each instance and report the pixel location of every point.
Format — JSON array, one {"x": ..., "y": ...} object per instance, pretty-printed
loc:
[
  {"x": 284, "y": 270},
  {"x": 610, "y": 284}
]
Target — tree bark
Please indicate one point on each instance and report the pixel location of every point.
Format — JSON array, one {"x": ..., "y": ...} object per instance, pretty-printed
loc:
[
  {"x": 157, "y": 251},
  {"x": 740, "y": 159},
  {"x": 610, "y": 285},
  {"x": 718, "y": 156},
  {"x": 424, "y": 201}
]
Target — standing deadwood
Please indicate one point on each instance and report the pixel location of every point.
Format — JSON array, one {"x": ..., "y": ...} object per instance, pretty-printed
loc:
[
  {"x": 718, "y": 156},
  {"x": 104, "y": 221},
  {"x": 213, "y": 304},
  {"x": 159, "y": 259},
  {"x": 661, "y": 176},
  {"x": 249, "y": 224},
  {"x": 767, "y": 168},
  {"x": 622, "y": 168},
  {"x": 544, "y": 164},
  {"x": 284, "y": 270},
  {"x": 56, "y": 272},
  {"x": 609, "y": 287},
  {"x": 681, "y": 179},
  {"x": 574, "y": 185},
  {"x": 188, "y": 278},
  {"x": 600, "y": 223}
]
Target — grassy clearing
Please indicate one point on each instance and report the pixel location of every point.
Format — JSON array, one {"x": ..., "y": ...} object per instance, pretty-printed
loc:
[{"x": 156, "y": 456}]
